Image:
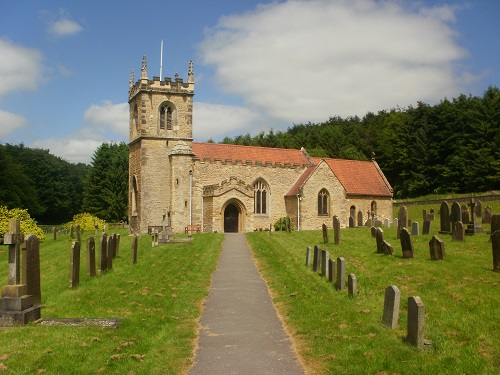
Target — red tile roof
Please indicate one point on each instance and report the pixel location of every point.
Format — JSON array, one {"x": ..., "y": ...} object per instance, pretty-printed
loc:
[
  {"x": 225, "y": 152},
  {"x": 359, "y": 177},
  {"x": 300, "y": 181}
]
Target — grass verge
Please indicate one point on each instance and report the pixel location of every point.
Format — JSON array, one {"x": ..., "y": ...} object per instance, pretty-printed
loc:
[{"x": 159, "y": 300}]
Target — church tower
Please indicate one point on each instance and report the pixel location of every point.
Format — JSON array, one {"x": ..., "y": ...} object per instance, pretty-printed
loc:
[{"x": 160, "y": 151}]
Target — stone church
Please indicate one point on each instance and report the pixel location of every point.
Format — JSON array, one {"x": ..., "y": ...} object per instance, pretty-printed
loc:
[{"x": 209, "y": 187}]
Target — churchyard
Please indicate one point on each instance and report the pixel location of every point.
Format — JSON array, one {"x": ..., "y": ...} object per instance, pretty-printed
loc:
[{"x": 157, "y": 299}]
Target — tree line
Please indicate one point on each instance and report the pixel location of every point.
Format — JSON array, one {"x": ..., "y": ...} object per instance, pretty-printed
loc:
[
  {"x": 54, "y": 190},
  {"x": 450, "y": 147}
]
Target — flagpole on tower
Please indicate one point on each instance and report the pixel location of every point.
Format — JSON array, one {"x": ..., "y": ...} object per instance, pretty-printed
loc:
[{"x": 161, "y": 59}]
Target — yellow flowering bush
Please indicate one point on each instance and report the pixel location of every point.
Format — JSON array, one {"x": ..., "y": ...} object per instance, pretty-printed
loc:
[
  {"x": 86, "y": 222},
  {"x": 28, "y": 225}
]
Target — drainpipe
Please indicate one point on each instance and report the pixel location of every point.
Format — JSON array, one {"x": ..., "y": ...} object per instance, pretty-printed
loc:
[
  {"x": 298, "y": 211},
  {"x": 190, "y": 197}
]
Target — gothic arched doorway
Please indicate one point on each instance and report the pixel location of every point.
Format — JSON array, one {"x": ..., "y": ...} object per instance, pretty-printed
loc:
[{"x": 231, "y": 216}]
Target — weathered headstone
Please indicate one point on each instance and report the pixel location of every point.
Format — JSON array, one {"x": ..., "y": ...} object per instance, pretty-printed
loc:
[
  {"x": 414, "y": 229},
  {"x": 31, "y": 268},
  {"x": 444, "y": 217},
  {"x": 103, "y": 251},
  {"x": 14, "y": 238},
  {"x": 465, "y": 214},
  {"x": 479, "y": 209},
  {"x": 308, "y": 256},
  {"x": 373, "y": 231},
  {"x": 488, "y": 212},
  {"x": 402, "y": 219},
  {"x": 117, "y": 245},
  {"x": 455, "y": 214},
  {"x": 395, "y": 222},
  {"x": 351, "y": 222},
  {"x": 379, "y": 236},
  {"x": 391, "y": 307},
  {"x": 134, "y": 249},
  {"x": 416, "y": 318},
  {"x": 91, "y": 257},
  {"x": 352, "y": 285},
  {"x": 360, "y": 219},
  {"x": 432, "y": 214},
  {"x": 336, "y": 230},
  {"x": 78, "y": 234},
  {"x": 495, "y": 247},
  {"x": 458, "y": 231},
  {"x": 340, "y": 284},
  {"x": 325, "y": 233},
  {"x": 406, "y": 243},
  {"x": 436, "y": 248},
  {"x": 74, "y": 278},
  {"x": 331, "y": 270},
  {"x": 316, "y": 258},
  {"x": 72, "y": 231},
  {"x": 324, "y": 263},
  {"x": 426, "y": 229},
  {"x": 109, "y": 253},
  {"x": 387, "y": 223},
  {"x": 495, "y": 222},
  {"x": 387, "y": 248}
]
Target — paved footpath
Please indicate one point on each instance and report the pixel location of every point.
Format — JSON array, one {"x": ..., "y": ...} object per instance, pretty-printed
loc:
[{"x": 240, "y": 329}]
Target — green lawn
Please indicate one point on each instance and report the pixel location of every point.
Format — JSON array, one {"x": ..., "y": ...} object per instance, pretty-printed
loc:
[{"x": 159, "y": 300}]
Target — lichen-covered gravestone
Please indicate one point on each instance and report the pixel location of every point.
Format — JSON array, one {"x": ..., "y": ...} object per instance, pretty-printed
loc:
[
  {"x": 406, "y": 243},
  {"x": 436, "y": 248},
  {"x": 444, "y": 217},
  {"x": 391, "y": 307}
]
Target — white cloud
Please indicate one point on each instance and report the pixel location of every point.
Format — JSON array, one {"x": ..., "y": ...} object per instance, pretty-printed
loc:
[
  {"x": 64, "y": 27},
  {"x": 302, "y": 61},
  {"x": 108, "y": 116},
  {"x": 20, "y": 68},
  {"x": 216, "y": 121},
  {"x": 10, "y": 122},
  {"x": 73, "y": 150}
]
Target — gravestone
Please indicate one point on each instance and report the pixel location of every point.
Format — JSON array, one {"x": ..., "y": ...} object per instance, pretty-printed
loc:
[
  {"x": 103, "y": 251},
  {"x": 336, "y": 230},
  {"x": 117, "y": 245},
  {"x": 352, "y": 285},
  {"x": 424, "y": 215},
  {"x": 54, "y": 233},
  {"x": 455, "y": 214},
  {"x": 134, "y": 249},
  {"x": 387, "y": 248},
  {"x": 495, "y": 223},
  {"x": 72, "y": 231},
  {"x": 427, "y": 227},
  {"x": 395, "y": 223},
  {"x": 74, "y": 277},
  {"x": 473, "y": 226},
  {"x": 340, "y": 284},
  {"x": 406, "y": 243},
  {"x": 488, "y": 212},
  {"x": 14, "y": 239},
  {"x": 444, "y": 217},
  {"x": 325, "y": 233},
  {"x": 479, "y": 209},
  {"x": 324, "y": 263},
  {"x": 416, "y": 318},
  {"x": 373, "y": 231},
  {"x": 351, "y": 222},
  {"x": 387, "y": 223},
  {"x": 360, "y": 219},
  {"x": 436, "y": 248},
  {"x": 414, "y": 229},
  {"x": 331, "y": 270},
  {"x": 495, "y": 247},
  {"x": 379, "y": 236},
  {"x": 458, "y": 231},
  {"x": 316, "y": 258},
  {"x": 432, "y": 214},
  {"x": 465, "y": 214},
  {"x": 391, "y": 307},
  {"x": 31, "y": 268},
  {"x": 308, "y": 256},
  {"x": 91, "y": 257},
  {"x": 109, "y": 253},
  {"x": 78, "y": 234},
  {"x": 402, "y": 219}
]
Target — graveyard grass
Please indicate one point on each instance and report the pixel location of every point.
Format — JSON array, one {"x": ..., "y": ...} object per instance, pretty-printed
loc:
[
  {"x": 338, "y": 334},
  {"x": 159, "y": 299}
]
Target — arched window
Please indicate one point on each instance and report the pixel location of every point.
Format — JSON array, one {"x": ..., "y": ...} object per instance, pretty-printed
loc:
[
  {"x": 166, "y": 117},
  {"x": 323, "y": 202},
  {"x": 261, "y": 195}
]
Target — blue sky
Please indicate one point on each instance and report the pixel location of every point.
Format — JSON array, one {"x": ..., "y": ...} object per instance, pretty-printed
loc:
[{"x": 259, "y": 65}]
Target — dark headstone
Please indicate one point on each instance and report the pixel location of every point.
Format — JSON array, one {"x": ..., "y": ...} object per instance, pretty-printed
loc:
[
  {"x": 324, "y": 263},
  {"x": 406, "y": 243},
  {"x": 336, "y": 230},
  {"x": 91, "y": 257},
  {"x": 436, "y": 247},
  {"x": 455, "y": 213},
  {"x": 458, "y": 231},
  {"x": 373, "y": 231},
  {"x": 109, "y": 253},
  {"x": 465, "y": 214},
  {"x": 134, "y": 249},
  {"x": 331, "y": 270},
  {"x": 444, "y": 217},
  {"x": 478, "y": 209},
  {"x": 387, "y": 248},
  {"x": 495, "y": 222},
  {"x": 424, "y": 215},
  {"x": 325, "y": 233},
  {"x": 360, "y": 219},
  {"x": 340, "y": 284},
  {"x": 351, "y": 222},
  {"x": 316, "y": 258},
  {"x": 488, "y": 212},
  {"x": 379, "y": 237},
  {"x": 427, "y": 227},
  {"x": 74, "y": 279},
  {"x": 495, "y": 246},
  {"x": 391, "y": 307},
  {"x": 103, "y": 251},
  {"x": 31, "y": 268},
  {"x": 402, "y": 219}
]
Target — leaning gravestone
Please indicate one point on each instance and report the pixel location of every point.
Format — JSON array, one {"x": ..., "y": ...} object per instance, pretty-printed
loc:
[
  {"x": 325, "y": 233},
  {"x": 436, "y": 247},
  {"x": 402, "y": 219},
  {"x": 340, "y": 284},
  {"x": 336, "y": 230},
  {"x": 406, "y": 243},
  {"x": 444, "y": 217},
  {"x": 458, "y": 231},
  {"x": 416, "y": 318},
  {"x": 391, "y": 307},
  {"x": 387, "y": 248},
  {"x": 379, "y": 237}
]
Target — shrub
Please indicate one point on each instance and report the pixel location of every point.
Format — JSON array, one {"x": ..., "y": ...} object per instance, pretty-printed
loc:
[
  {"x": 86, "y": 222},
  {"x": 27, "y": 224},
  {"x": 281, "y": 224}
]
